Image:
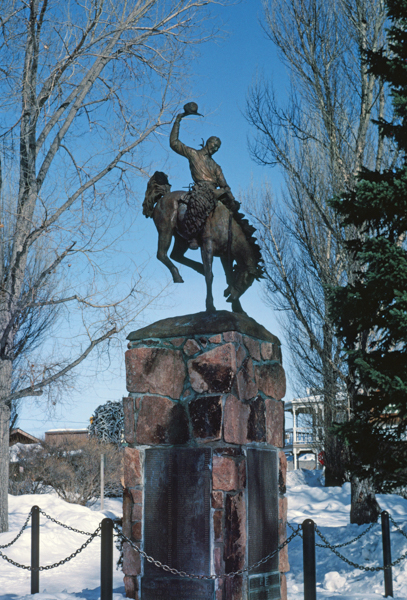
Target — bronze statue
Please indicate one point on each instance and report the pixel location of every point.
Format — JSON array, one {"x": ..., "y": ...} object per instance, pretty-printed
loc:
[{"x": 206, "y": 216}]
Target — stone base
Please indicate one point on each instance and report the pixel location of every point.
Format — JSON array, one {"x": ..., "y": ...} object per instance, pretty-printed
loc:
[{"x": 206, "y": 390}]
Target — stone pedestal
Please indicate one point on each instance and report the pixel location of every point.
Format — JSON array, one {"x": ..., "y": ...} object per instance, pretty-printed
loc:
[{"x": 204, "y": 467}]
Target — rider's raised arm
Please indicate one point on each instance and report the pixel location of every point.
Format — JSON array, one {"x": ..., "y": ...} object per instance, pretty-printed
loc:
[{"x": 175, "y": 144}]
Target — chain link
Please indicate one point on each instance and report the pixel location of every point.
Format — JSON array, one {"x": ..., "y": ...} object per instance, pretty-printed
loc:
[
  {"x": 19, "y": 533},
  {"x": 57, "y": 564},
  {"x": 63, "y": 524},
  {"x": 397, "y": 526},
  {"x": 344, "y": 543},
  {"x": 356, "y": 566},
  {"x": 168, "y": 569}
]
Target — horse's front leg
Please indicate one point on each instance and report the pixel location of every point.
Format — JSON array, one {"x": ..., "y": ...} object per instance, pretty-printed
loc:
[
  {"x": 164, "y": 242},
  {"x": 207, "y": 259}
]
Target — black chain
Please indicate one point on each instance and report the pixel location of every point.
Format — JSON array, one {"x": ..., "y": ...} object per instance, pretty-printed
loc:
[
  {"x": 344, "y": 543},
  {"x": 168, "y": 569},
  {"x": 356, "y": 566},
  {"x": 63, "y": 524},
  {"x": 58, "y": 564},
  {"x": 397, "y": 526},
  {"x": 19, "y": 533}
]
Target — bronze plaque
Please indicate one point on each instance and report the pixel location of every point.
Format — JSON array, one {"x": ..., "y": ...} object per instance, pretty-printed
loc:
[
  {"x": 262, "y": 486},
  {"x": 166, "y": 588},
  {"x": 177, "y": 488}
]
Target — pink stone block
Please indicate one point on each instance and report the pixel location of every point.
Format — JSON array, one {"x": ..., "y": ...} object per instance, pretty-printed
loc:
[
  {"x": 240, "y": 355},
  {"x": 177, "y": 341},
  {"x": 131, "y": 587},
  {"x": 127, "y": 505},
  {"x": 236, "y": 415},
  {"x": 270, "y": 378},
  {"x": 215, "y": 339},
  {"x": 225, "y": 474},
  {"x": 283, "y": 587},
  {"x": 156, "y": 371},
  {"x": 136, "y": 531},
  {"x": 282, "y": 470},
  {"x": 217, "y": 560},
  {"x": 137, "y": 496},
  {"x": 128, "y": 412},
  {"x": 137, "y": 512},
  {"x": 217, "y": 526},
  {"x": 191, "y": 347},
  {"x": 267, "y": 351},
  {"x": 132, "y": 467},
  {"x": 131, "y": 561},
  {"x": 213, "y": 371},
  {"x": 233, "y": 336},
  {"x": 283, "y": 564},
  {"x": 235, "y": 532},
  {"x": 274, "y": 422},
  {"x": 245, "y": 381},
  {"x": 217, "y": 499},
  {"x": 253, "y": 347},
  {"x": 242, "y": 474},
  {"x": 154, "y": 420},
  {"x": 282, "y": 508}
]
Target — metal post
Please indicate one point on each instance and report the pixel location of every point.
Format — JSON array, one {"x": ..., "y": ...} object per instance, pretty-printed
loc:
[
  {"x": 388, "y": 582},
  {"x": 106, "y": 560},
  {"x": 102, "y": 481},
  {"x": 308, "y": 548},
  {"x": 35, "y": 550}
]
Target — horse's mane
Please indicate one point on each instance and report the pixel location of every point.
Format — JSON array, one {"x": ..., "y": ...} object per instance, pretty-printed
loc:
[
  {"x": 248, "y": 231},
  {"x": 157, "y": 187}
]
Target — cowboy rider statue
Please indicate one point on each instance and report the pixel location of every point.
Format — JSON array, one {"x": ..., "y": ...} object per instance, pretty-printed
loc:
[{"x": 209, "y": 182}]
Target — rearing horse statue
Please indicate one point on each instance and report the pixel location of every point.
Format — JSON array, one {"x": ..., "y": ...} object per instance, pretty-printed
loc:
[
  {"x": 207, "y": 217},
  {"x": 224, "y": 234}
]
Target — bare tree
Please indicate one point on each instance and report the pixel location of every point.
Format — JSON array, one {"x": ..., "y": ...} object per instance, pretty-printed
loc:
[
  {"x": 320, "y": 137},
  {"x": 84, "y": 86}
]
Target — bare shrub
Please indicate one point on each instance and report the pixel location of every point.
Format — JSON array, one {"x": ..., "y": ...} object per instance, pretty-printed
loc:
[{"x": 72, "y": 469}]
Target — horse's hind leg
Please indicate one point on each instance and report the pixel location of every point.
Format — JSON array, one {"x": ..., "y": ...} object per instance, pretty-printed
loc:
[
  {"x": 164, "y": 242},
  {"x": 180, "y": 247}
]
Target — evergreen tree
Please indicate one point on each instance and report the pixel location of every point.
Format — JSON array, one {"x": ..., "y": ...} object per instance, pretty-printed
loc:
[{"x": 370, "y": 312}]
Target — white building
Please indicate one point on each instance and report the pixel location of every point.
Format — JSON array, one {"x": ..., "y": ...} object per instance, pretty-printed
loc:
[{"x": 302, "y": 438}]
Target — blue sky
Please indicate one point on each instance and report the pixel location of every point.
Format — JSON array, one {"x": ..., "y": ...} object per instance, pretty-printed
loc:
[{"x": 222, "y": 75}]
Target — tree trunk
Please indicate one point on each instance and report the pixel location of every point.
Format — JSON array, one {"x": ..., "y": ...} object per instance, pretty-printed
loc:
[
  {"x": 5, "y": 386},
  {"x": 364, "y": 506},
  {"x": 4, "y": 464}
]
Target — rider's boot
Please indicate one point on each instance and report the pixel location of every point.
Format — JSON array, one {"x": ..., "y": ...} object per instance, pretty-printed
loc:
[{"x": 193, "y": 244}]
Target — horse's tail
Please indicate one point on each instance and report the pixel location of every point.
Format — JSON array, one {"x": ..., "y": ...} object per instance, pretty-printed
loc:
[
  {"x": 157, "y": 187},
  {"x": 248, "y": 230}
]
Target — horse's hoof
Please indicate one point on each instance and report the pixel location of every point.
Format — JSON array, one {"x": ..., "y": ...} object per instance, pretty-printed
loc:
[
  {"x": 212, "y": 309},
  {"x": 178, "y": 279}
]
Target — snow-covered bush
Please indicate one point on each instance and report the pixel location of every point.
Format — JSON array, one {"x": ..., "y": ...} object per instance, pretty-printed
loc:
[
  {"x": 72, "y": 468},
  {"x": 23, "y": 470}
]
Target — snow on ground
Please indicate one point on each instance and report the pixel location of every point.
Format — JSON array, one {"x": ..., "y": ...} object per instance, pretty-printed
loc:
[
  {"x": 307, "y": 498},
  {"x": 329, "y": 508},
  {"x": 76, "y": 580}
]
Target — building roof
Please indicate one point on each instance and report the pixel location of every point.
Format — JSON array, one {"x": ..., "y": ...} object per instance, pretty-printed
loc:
[{"x": 17, "y": 435}]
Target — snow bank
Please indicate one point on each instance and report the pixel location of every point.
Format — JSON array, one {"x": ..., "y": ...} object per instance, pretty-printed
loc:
[
  {"x": 307, "y": 498},
  {"x": 77, "y": 579},
  {"x": 330, "y": 509}
]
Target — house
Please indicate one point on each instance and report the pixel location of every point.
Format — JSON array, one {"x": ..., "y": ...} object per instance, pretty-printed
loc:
[
  {"x": 55, "y": 436},
  {"x": 301, "y": 440},
  {"x": 18, "y": 436}
]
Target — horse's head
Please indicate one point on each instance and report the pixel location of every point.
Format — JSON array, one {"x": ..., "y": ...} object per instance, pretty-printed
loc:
[{"x": 243, "y": 279}]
